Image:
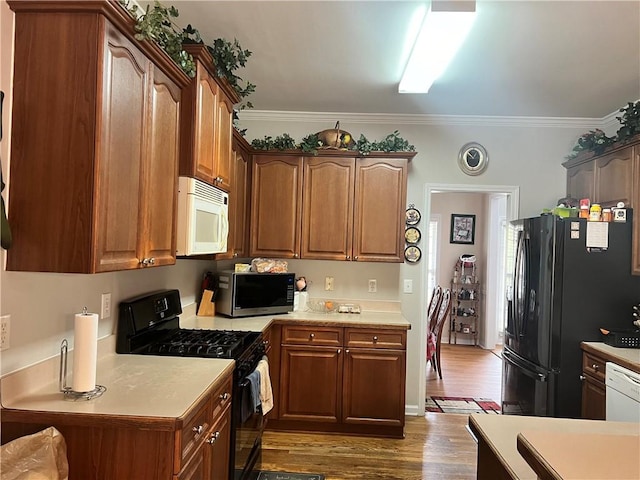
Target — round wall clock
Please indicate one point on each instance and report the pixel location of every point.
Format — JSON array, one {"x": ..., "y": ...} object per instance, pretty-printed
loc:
[
  {"x": 412, "y": 215},
  {"x": 473, "y": 158},
  {"x": 412, "y": 235},
  {"x": 412, "y": 254}
]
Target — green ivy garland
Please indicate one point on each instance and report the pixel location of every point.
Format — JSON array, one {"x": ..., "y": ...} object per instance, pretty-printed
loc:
[
  {"x": 596, "y": 141},
  {"x": 311, "y": 144}
]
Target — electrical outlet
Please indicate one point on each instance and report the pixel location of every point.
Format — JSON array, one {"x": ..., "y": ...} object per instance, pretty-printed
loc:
[
  {"x": 408, "y": 285},
  {"x": 373, "y": 285},
  {"x": 328, "y": 283},
  {"x": 5, "y": 331},
  {"x": 105, "y": 310}
]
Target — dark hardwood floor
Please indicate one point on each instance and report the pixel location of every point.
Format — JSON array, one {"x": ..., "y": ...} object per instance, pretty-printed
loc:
[{"x": 436, "y": 446}]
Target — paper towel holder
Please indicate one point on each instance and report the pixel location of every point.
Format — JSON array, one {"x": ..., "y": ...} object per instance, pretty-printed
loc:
[{"x": 68, "y": 392}]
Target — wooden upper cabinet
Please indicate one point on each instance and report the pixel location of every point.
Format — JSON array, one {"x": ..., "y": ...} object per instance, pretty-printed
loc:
[
  {"x": 276, "y": 206},
  {"x": 614, "y": 177},
  {"x": 327, "y": 213},
  {"x": 329, "y": 207},
  {"x": 380, "y": 202},
  {"x": 207, "y": 108},
  {"x": 241, "y": 195},
  {"x": 94, "y": 160},
  {"x": 580, "y": 180}
]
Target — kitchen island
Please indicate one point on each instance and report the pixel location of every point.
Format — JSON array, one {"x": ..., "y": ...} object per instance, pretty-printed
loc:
[{"x": 512, "y": 447}]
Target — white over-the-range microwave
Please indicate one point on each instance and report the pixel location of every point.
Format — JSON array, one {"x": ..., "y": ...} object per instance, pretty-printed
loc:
[{"x": 203, "y": 218}]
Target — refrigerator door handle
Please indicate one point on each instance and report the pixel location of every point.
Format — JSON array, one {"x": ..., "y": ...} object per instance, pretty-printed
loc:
[
  {"x": 541, "y": 377},
  {"x": 526, "y": 252}
]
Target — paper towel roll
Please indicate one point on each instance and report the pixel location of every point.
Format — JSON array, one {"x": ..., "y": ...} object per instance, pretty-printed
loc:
[{"x": 85, "y": 352}]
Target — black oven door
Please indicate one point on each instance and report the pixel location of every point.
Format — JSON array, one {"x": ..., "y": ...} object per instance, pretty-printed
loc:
[{"x": 248, "y": 426}]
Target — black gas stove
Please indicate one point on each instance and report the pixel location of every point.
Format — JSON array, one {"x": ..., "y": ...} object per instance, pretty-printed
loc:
[{"x": 150, "y": 325}]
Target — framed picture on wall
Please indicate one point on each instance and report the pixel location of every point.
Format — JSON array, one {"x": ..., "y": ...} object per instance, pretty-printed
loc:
[{"x": 463, "y": 228}]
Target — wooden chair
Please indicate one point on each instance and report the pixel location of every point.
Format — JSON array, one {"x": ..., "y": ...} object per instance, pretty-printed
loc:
[
  {"x": 434, "y": 305},
  {"x": 443, "y": 313}
]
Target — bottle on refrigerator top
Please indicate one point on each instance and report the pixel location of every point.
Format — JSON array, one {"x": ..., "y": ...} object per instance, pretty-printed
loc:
[{"x": 595, "y": 213}]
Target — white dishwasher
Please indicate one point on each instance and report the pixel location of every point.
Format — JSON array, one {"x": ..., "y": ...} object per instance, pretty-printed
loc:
[{"x": 623, "y": 394}]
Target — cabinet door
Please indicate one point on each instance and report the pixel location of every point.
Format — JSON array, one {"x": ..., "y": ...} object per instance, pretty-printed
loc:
[
  {"x": 327, "y": 213},
  {"x": 276, "y": 206},
  {"x": 580, "y": 181},
  {"x": 120, "y": 179},
  {"x": 218, "y": 447},
  {"x": 160, "y": 198},
  {"x": 374, "y": 387},
  {"x": 224, "y": 135},
  {"x": 614, "y": 177},
  {"x": 238, "y": 204},
  {"x": 593, "y": 399},
  {"x": 196, "y": 469},
  {"x": 380, "y": 197},
  {"x": 205, "y": 123},
  {"x": 310, "y": 383}
]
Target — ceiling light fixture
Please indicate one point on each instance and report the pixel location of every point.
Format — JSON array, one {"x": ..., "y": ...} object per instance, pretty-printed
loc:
[{"x": 444, "y": 27}]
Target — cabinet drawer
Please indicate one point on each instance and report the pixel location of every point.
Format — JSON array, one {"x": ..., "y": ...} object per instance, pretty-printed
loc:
[
  {"x": 309, "y": 335},
  {"x": 367, "y": 338},
  {"x": 594, "y": 366},
  {"x": 193, "y": 431},
  {"x": 220, "y": 398}
]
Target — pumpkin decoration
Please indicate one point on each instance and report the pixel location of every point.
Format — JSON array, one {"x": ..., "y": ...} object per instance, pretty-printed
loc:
[{"x": 335, "y": 138}]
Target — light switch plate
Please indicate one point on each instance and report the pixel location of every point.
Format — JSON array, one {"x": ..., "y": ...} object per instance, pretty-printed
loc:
[{"x": 408, "y": 285}]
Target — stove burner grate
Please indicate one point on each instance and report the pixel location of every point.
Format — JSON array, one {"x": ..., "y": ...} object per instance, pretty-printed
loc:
[{"x": 202, "y": 343}]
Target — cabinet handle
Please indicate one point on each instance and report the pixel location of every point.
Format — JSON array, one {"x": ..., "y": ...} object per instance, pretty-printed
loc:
[
  {"x": 295, "y": 255},
  {"x": 339, "y": 351},
  {"x": 152, "y": 260},
  {"x": 582, "y": 378},
  {"x": 346, "y": 351},
  {"x": 596, "y": 367},
  {"x": 213, "y": 438},
  {"x": 355, "y": 258},
  {"x": 198, "y": 430},
  {"x": 375, "y": 339},
  {"x": 235, "y": 254},
  {"x": 224, "y": 396},
  {"x": 348, "y": 257},
  {"x": 312, "y": 336}
]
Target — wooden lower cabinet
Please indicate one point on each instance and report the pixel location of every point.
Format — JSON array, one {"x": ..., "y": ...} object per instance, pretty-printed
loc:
[
  {"x": 341, "y": 379},
  {"x": 194, "y": 446},
  {"x": 593, "y": 386}
]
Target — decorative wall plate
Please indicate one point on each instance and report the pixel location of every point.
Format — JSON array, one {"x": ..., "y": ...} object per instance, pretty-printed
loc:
[
  {"x": 412, "y": 235},
  {"x": 412, "y": 216},
  {"x": 412, "y": 254}
]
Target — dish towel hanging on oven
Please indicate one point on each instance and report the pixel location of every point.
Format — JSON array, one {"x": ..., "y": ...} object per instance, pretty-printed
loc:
[
  {"x": 266, "y": 393},
  {"x": 250, "y": 396}
]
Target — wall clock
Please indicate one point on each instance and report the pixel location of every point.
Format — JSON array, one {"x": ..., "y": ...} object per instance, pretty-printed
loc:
[{"x": 473, "y": 158}]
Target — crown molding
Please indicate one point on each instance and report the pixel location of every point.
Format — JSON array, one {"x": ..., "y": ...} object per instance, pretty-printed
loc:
[{"x": 398, "y": 119}]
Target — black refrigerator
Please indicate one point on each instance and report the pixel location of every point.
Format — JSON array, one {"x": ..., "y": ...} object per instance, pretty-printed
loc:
[{"x": 563, "y": 293}]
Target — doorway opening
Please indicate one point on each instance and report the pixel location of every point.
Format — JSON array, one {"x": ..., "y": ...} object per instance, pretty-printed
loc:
[{"x": 500, "y": 204}]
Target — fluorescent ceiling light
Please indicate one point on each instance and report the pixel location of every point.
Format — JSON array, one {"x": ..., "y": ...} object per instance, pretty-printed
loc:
[{"x": 444, "y": 28}]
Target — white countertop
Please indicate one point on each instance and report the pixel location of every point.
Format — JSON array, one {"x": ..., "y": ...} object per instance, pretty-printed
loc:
[
  {"x": 259, "y": 323},
  {"x": 137, "y": 385},
  {"x": 501, "y": 432},
  {"x": 157, "y": 386}
]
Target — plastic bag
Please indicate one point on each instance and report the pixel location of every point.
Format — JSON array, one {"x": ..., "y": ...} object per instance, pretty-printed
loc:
[
  {"x": 269, "y": 265},
  {"x": 41, "y": 456}
]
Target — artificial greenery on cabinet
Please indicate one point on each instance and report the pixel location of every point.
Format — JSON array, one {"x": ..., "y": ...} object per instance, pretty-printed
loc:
[{"x": 157, "y": 24}]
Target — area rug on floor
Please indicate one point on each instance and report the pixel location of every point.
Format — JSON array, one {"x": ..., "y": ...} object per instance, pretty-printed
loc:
[
  {"x": 462, "y": 405},
  {"x": 289, "y": 476}
]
